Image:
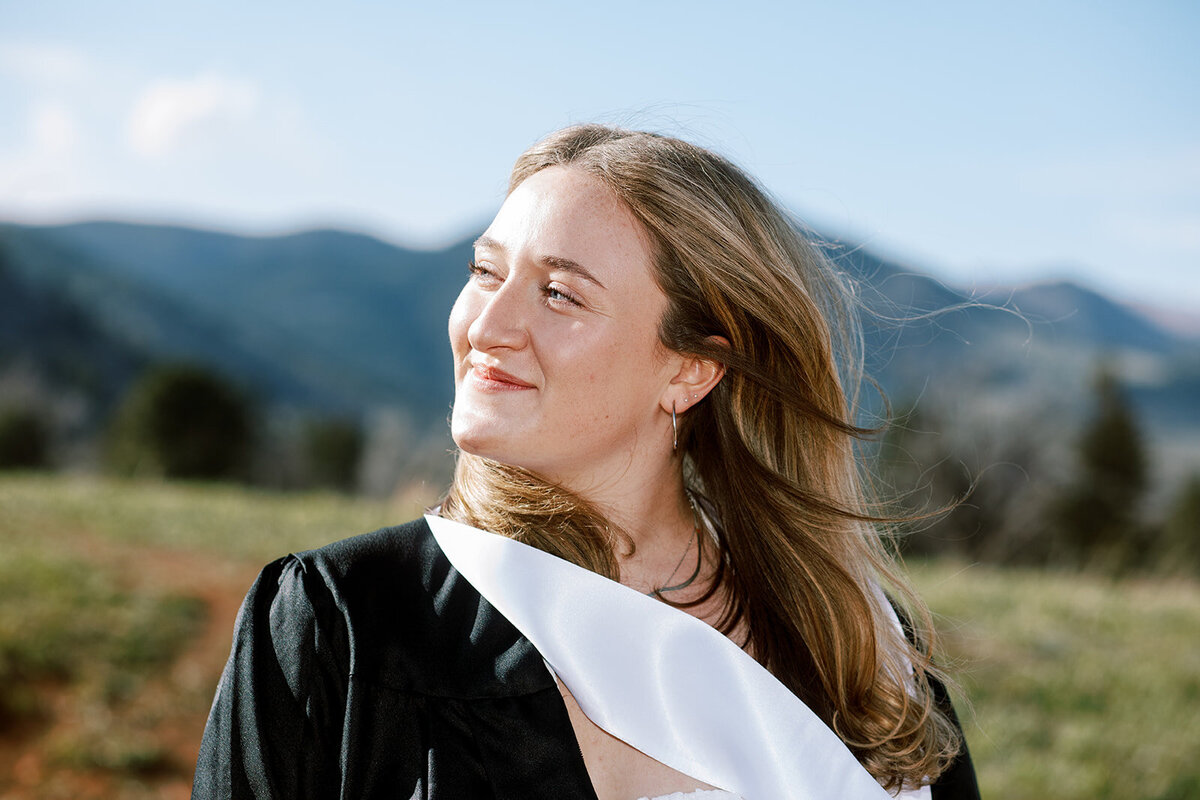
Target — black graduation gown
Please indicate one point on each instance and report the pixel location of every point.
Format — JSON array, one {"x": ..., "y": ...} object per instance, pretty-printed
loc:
[{"x": 371, "y": 669}]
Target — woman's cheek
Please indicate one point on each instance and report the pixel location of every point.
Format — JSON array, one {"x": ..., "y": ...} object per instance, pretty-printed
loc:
[{"x": 461, "y": 316}]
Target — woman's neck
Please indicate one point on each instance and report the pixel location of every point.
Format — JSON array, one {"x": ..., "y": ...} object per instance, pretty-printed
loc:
[{"x": 656, "y": 514}]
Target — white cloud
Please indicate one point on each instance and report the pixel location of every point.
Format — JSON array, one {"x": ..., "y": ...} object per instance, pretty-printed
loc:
[
  {"x": 46, "y": 164},
  {"x": 52, "y": 130},
  {"x": 42, "y": 63},
  {"x": 168, "y": 111}
]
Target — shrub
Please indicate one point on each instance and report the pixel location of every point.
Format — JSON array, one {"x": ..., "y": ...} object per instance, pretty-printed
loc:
[
  {"x": 334, "y": 449},
  {"x": 1179, "y": 546},
  {"x": 182, "y": 421},
  {"x": 24, "y": 440}
]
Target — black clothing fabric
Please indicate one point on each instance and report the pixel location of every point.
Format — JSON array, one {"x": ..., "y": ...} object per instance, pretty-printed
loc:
[{"x": 371, "y": 668}]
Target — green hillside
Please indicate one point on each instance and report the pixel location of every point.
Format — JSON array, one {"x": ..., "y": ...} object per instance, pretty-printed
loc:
[
  {"x": 118, "y": 600},
  {"x": 330, "y": 319},
  {"x": 322, "y": 319}
]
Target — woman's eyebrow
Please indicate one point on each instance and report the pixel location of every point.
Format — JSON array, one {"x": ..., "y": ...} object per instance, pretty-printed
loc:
[
  {"x": 554, "y": 262},
  {"x": 573, "y": 267},
  {"x": 488, "y": 242}
]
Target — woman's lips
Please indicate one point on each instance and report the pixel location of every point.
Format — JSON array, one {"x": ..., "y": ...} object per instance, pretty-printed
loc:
[{"x": 492, "y": 379}]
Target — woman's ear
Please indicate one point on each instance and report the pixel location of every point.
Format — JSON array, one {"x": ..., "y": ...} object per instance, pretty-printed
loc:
[{"x": 696, "y": 378}]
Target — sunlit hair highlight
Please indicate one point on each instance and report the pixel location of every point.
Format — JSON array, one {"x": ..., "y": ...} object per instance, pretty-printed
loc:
[{"x": 772, "y": 449}]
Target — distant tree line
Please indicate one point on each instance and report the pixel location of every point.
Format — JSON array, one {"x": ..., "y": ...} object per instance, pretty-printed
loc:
[
  {"x": 1005, "y": 490},
  {"x": 182, "y": 421},
  {"x": 1011, "y": 493}
]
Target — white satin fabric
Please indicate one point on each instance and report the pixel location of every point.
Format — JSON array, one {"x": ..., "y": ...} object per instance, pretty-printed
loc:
[{"x": 659, "y": 679}]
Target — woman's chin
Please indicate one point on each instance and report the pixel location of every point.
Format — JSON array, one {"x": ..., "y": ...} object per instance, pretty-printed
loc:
[
  {"x": 466, "y": 442},
  {"x": 478, "y": 439},
  {"x": 489, "y": 445}
]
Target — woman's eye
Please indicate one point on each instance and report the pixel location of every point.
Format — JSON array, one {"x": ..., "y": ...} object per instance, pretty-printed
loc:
[
  {"x": 556, "y": 294},
  {"x": 481, "y": 274}
]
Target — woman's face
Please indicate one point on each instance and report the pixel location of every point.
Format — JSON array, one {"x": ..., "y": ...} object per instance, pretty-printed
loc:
[{"x": 558, "y": 367}]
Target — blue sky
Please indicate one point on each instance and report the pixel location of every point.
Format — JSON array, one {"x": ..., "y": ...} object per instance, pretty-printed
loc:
[{"x": 983, "y": 142}]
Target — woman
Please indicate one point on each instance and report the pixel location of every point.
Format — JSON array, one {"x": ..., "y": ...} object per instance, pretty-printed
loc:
[{"x": 647, "y": 386}]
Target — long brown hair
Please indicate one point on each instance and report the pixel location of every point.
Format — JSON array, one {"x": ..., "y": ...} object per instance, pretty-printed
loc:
[{"x": 772, "y": 449}]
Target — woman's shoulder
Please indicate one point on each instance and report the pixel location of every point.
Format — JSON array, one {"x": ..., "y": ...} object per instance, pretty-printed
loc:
[
  {"x": 407, "y": 617},
  {"x": 386, "y": 554},
  {"x": 391, "y": 572},
  {"x": 367, "y": 568}
]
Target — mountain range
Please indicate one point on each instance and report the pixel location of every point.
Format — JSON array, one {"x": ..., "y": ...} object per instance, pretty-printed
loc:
[{"x": 334, "y": 322}]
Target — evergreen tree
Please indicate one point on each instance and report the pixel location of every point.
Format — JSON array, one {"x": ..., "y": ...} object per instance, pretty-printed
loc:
[
  {"x": 1098, "y": 521},
  {"x": 925, "y": 480}
]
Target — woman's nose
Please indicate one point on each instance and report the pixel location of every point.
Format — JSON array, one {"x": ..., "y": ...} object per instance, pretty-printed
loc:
[{"x": 502, "y": 320}]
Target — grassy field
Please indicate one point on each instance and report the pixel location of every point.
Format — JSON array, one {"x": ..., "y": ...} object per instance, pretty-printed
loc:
[
  {"x": 1079, "y": 687},
  {"x": 117, "y": 601}
]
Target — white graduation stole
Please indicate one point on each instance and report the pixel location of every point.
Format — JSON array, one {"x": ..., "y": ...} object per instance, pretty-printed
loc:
[{"x": 659, "y": 679}]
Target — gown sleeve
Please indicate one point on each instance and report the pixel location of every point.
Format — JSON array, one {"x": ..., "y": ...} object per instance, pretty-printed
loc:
[
  {"x": 274, "y": 730},
  {"x": 958, "y": 781}
]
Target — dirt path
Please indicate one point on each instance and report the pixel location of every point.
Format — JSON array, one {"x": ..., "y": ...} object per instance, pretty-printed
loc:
[{"x": 166, "y": 716}]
